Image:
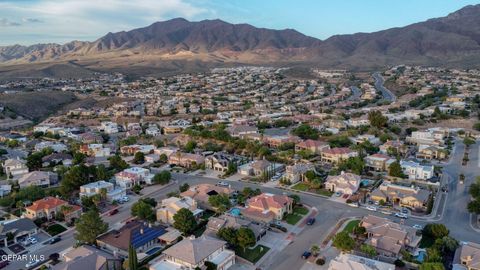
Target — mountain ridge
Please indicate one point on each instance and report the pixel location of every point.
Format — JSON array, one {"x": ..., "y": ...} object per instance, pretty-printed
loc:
[{"x": 450, "y": 40}]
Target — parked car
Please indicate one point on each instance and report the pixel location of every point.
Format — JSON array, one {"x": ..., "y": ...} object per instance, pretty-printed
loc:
[
  {"x": 405, "y": 210},
  {"x": 310, "y": 221},
  {"x": 32, "y": 263},
  {"x": 113, "y": 212},
  {"x": 222, "y": 184},
  {"x": 306, "y": 255},
  {"x": 401, "y": 215},
  {"x": 371, "y": 208},
  {"x": 55, "y": 240},
  {"x": 418, "y": 227}
]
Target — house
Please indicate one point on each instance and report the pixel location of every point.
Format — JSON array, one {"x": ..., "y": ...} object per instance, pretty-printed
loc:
[
  {"x": 153, "y": 131},
  {"x": 132, "y": 149},
  {"x": 389, "y": 238},
  {"x": 109, "y": 127},
  {"x": 470, "y": 256},
  {"x": 112, "y": 193},
  {"x": 345, "y": 183},
  {"x": 172, "y": 129},
  {"x": 192, "y": 253},
  {"x": 398, "y": 145},
  {"x": 15, "y": 167},
  {"x": 19, "y": 228},
  {"x": 426, "y": 137},
  {"x": 200, "y": 193},
  {"x": 50, "y": 207},
  {"x": 416, "y": 171},
  {"x": 221, "y": 160},
  {"x": 260, "y": 167},
  {"x": 215, "y": 224},
  {"x": 400, "y": 195},
  {"x": 241, "y": 130},
  {"x": 345, "y": 261},
  {"x": 56, "y": 147},
  {"x": 133, "y": 176},
  {"x": 314, "y": 146},
  {"x": 88, "y": 257},
  {"x": 186, "y": 160},
  {"x": 5, "y": 190},
  {"x": 167, "y": 151},
  {"x": 95, "y": 150},
  {"x": 378, "y": 162},
  {"x": 267, "y": 207},
  {"x": 141, "y": 235},
  {"x": 431, "y": 152},
  {"x": 365, "y": 138},
  {"x": 295, "y": 173},
  {"x": 279, "y": 140},
  {"x": 358, "y": 122},
  {"x": 57, "y": 158},
  {"x": 38, "y": 178},
  {"x": 336, "y": 155},
  {"x": 169, "y": 207}
]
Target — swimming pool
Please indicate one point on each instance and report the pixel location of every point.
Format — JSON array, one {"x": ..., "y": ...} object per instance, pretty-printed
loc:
[
  {"x": 365, "y": 182},
  {"x": 421, "y": 256},
  {"x": 235, "y": 211},
  {"x": 152, "y": 251}
]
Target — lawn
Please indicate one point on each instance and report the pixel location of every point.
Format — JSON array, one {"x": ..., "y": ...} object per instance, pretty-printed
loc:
[
  {"x": 292, "y": 219},
  {"x": 55, "y": 229},
  {"x": 252, "y": 255},
  {"x": 300, "y": 210},
  {"x": 301, "y": 187},
  {"x": 352, "y": 224},
  {"x": 324, "y": 192}
]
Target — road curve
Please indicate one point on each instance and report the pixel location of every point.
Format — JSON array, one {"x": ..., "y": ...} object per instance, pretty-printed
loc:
[{"x": 387, "y": 94}]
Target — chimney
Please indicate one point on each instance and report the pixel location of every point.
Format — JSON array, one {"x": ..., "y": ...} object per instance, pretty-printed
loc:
[{"x": 141, "y": 231}]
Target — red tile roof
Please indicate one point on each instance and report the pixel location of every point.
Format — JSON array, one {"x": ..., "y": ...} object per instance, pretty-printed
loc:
[{"x": 46, "y": 203}]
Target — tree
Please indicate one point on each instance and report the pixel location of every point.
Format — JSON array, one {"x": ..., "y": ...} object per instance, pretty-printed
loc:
[
  {"x": 143, "y": 211},
  {"x": 34, "y": 161},
  {"x": 433, "y": 255},
  {"x": 377, "y": 119},
  {"x": 228, "y": 234},
  {"x": 184, "y": 187},
  {"x": 310, "y": 175},
  {"x": 117, "y": 163},
  {"x": 132, "y": 258},
  {"x": 139, "y": 158},
  {"x": 210, "y": 265},
  {"x": 184, "y": 221},
  {"x": 102, "y": 173},
  {"x": 89, "y": 226},
  {"x": 190, "y": 146},
  {"x": 435, "y": 230},
  {"x": 305, "y": 131},
  {"x": 354, "y": 164},
  {"x": 474, "y": 206},
  {"x": 220, "y": 201},
  {"x": 474, "y": 189},
  {"x": 395, "y": 170},
  {"x": 369, "y": 250},
  {"x": 343, "y": 241},
  {"x": 448, "y": 244},
  {"x": 78, "y": 158},
  {"x": 315, "y": 249},
  {"x": 245, "y": 237},
  {"x": 295, "y": 198},
  {"x": 163, "y": 158},
  {"x": 162, "y": 178},
  {"x": 468, "y": 141}
]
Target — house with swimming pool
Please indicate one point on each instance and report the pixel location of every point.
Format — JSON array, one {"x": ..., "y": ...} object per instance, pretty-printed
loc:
[{"x": 267, "y": 207}]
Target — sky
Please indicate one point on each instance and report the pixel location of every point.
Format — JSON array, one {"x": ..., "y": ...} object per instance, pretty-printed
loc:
[{"x": 28, "y": 22}]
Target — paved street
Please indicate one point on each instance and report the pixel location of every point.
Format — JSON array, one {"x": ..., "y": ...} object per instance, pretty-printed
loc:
[{"x": 387, "y": 94}]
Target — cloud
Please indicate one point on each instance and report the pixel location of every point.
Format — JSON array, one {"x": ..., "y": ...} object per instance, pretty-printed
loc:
[
  {"x": 6, "y": 23},
  {"x": 87, "y": 18},
  {"x": 32, "y": 20}
]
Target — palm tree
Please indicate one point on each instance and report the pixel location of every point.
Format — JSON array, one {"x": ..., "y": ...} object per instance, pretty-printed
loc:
[
  {"x": 103, "y": 193},
  {"x": 315, "y": 249},
  {"x": 449, "y": 243}
]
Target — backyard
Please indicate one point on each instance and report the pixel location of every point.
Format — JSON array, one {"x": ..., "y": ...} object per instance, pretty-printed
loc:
[{"x": 254, "y": 254}]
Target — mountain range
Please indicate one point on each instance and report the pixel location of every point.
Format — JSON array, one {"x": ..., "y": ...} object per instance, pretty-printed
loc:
[{"x": 453, "y": 40}]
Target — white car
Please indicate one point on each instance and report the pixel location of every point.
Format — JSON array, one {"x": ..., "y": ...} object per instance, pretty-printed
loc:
[
  {"x": 32, "y": 263},
  {"x": 418, "y": 227},
  {"x": 401, "y": 215},
  {"x": 222, "y": 184},
  {"x": 125, "y": 199},
  {"x": 31, "y": 240},
  {"x": 371, "y": 208}
]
